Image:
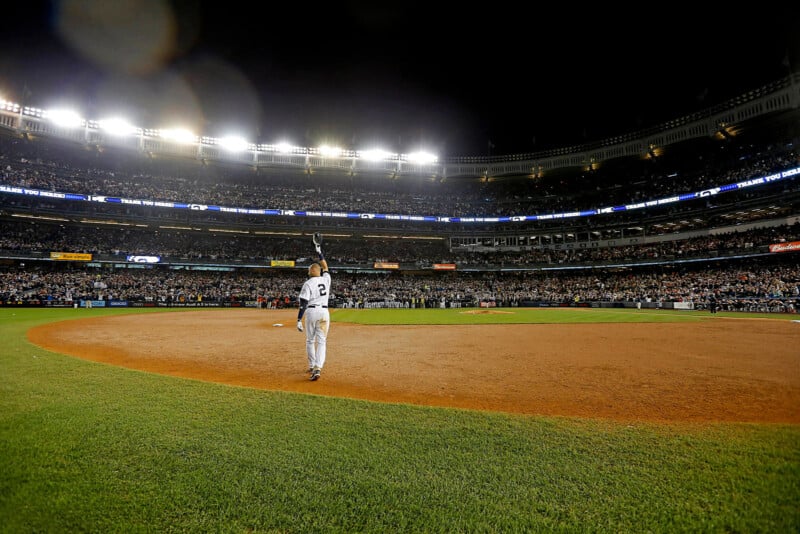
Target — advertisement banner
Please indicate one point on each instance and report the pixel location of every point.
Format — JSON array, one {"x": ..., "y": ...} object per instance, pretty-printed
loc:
[
  {"x": 162, "y": 304},
  {"x": 385, "y": 265},
  {"x": 444, "y": 266},
  {"x": 281, "y": 263},
  {"x": 793, "y": 246},
  {"x": 144, "y": 259},
  {"x": 92, "y": 303},
  {"x": 70, "y": 256}
]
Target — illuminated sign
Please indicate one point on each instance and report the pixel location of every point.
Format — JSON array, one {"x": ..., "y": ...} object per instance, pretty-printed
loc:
[
  {"x": 70, "y": 256},
  {"x": 144, "y": 259},
  {"x": 793, "y": 246},
  {"x": 705, "y": 193}
]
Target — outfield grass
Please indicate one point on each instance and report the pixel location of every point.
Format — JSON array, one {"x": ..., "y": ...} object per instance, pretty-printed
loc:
[
  {"x": 87, "y": 447},
  {"x": 536, "y": 315}
]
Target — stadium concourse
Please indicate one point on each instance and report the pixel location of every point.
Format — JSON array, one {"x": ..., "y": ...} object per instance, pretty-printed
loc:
[{"x": 105, "y": 225}]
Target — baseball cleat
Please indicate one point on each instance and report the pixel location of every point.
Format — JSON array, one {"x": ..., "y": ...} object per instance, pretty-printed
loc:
[{"x": 314, "y": 375}]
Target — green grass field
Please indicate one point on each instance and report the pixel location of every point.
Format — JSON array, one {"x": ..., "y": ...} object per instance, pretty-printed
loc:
[
  {"x": 536, "y": 315},
  {"x": 87, "y": 447}
]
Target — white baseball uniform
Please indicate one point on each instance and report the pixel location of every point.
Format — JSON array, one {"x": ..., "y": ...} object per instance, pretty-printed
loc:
[{"x": 316, "y": 290}]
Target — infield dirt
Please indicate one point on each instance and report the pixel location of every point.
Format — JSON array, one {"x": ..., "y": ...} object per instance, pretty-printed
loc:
[{"x": 713, "y": 370}]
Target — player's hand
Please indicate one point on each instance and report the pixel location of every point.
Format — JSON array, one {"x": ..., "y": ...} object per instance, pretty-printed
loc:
[
  {"x": 318, "y": 248},
  {"x": 299, "y": 326}
]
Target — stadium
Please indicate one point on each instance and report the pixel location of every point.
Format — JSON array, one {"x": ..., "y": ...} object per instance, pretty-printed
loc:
[
  {"x": 709, "y": 194},
  {"x": 107, "y": 228}
]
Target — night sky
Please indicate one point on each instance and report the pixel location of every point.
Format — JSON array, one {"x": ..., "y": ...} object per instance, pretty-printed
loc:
[{"x": 487, "y": 79}]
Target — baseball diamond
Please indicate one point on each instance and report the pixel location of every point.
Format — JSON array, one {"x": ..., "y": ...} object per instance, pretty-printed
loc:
[{"x": 705, "y": 371}]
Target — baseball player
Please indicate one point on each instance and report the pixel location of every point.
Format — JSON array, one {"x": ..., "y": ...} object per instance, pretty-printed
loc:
[{"x": 314, "y": 307}]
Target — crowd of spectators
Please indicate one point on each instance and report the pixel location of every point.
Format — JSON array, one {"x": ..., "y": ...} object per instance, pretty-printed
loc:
[
  {"x": 39, "y": 166},
  {"x": 773, "y": 284},
  {"x": 755, "y": 284}
]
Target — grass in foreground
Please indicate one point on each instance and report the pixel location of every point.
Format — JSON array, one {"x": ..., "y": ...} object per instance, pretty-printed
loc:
[{"x": 94, "y": 448}]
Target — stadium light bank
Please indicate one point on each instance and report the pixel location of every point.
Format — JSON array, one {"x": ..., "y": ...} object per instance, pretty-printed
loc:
[{"x": 119, "y": 128}]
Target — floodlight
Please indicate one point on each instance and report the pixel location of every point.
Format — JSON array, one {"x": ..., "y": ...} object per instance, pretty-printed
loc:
[
  {"x": 117, "y": 126},
  {"x": 9, "y": 106},
  {"x": 284, "y": 148},
  {"x": 330, "y": 151},
  {"x": 64, "y": 117},
  {"x": 374, "y": 155},
  {"x": 179, "y": 135},
  {"x": 233, "y": 143},
  {"x": 422, "y": 158}
]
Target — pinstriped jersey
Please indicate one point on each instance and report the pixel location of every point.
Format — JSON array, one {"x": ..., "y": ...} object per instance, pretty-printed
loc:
[{"x": 317, "y": 289}]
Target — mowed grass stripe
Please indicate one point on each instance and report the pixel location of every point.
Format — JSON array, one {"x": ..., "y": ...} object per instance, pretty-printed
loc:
[{"x": 87, "y": 447}]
